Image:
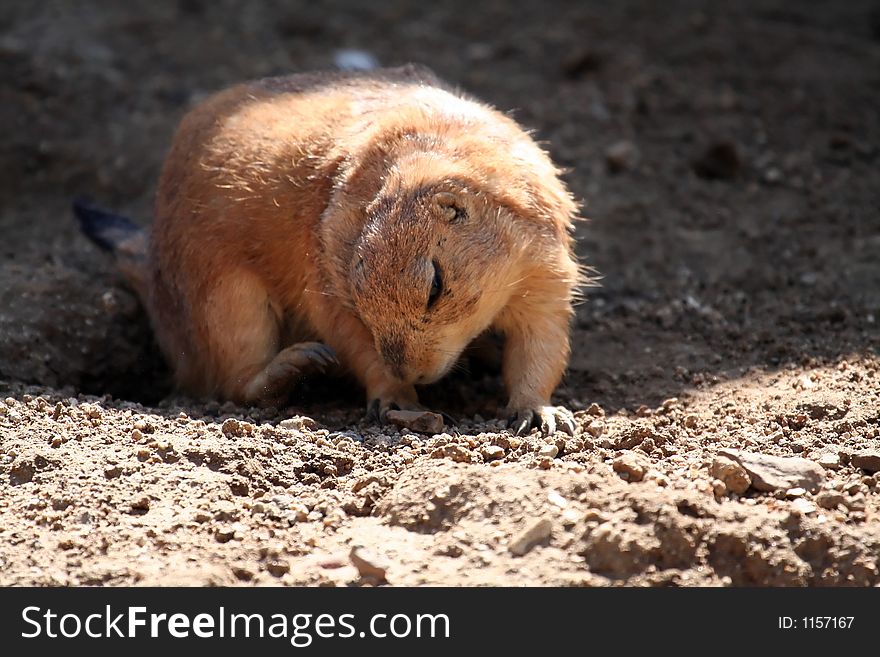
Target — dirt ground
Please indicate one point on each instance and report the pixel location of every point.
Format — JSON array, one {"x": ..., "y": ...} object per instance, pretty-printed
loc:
[{"x": 729, "y": 158}]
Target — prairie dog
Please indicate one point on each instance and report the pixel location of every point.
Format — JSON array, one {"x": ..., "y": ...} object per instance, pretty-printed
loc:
[{"x": 376, "y": 218}]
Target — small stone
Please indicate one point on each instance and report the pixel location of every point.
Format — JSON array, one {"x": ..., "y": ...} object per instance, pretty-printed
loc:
[
  {"x": 367, "y": 564},
  {"x": 770, "y": 473},
  {"x": 795, "y": 492},
  {"x": 420, "y": 421},
  {"x": 530, "y": 536},
  {"x": 829, "y": 460},
  {"x": 278, "y": 567},
  {"x": 868, "y": 460},
  {"x": 596, "y": 428},
  {"x": 556, "y": 499},
  {"x": 804, "y": 506},
  {"x": 141, "y": 504},
  {"x": 112, "y": 472},
  {"x": 236, "y": 429},
  {"x": 632, "y": 465},
  {"x": 731, "y": 474},
  {"x": 225, "y": 510},
  {"x": 719, "y": 488},
  {"x": 298, "y": 422},
  {"x": 224, "y": 534},
  {"x": 492, "y": 452},
  {"x": 548, "y": 451},
  {"x": 621, "y": 156},
  {"x": 144, "y": 426},
  {"x": 452, "y": 452},
  {"x": 595, "y": 410}
]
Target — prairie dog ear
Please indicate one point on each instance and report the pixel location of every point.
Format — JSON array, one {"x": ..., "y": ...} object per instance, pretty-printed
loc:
[{"x": 451, "y": 206}]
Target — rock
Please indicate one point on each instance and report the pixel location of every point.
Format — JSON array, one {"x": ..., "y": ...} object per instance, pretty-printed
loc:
[
  {"x": 556, "y": 499},
  {"x": 770, "y": 473},
  {"x": 278, "y": 567},
  {"x": 868, "y": 460},
  {"x": 732, "y": 474},
  {"x": 632, "y": 465},
  {"x": 596, "y": 428},
  {"x": 298, "y": 422},
  {"x": 830, "y": 499},
  {"x": 112, "y": 471},
  {"x": 804, "y": 506},
  {"x": 452, "y": 452},
  {"x": 492, "y": 452},
  {"x": 720, "y": 160},
  {"x": 795, "y": 492},
  {"x": 595, "y": 410},
  {"x": 621, "y": 156},
  {"x": 549, "y": 451},
  {"x": 829, "y": 460},
  {"x": 367, "y": 564},
  {"x": 224, "y": 534},
  {"x": 529, "y": 537},
  {"x": 420, "y": 421},
  {"x": 233, "y": 428}
]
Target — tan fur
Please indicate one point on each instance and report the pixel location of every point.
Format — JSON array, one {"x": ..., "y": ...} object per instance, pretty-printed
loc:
[{"x": 307, "y": 208}]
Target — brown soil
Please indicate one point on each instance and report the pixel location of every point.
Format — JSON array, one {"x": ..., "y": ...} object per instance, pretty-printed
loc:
[{"x": 729, "y": 155}]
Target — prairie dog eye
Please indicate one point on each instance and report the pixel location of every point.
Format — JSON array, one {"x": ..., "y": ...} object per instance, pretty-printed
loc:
[
  {"x": 436, "y": 285},
  {"x": 450, "y": 206}
]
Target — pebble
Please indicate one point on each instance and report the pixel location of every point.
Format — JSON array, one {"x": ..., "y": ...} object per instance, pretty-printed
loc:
[
  {"x": 548, "y": 451},
  {"x": 621, "y": 156},
  {"x": 632, "y": 465},
  {"x": 804, "y": 506},
  {"x": 868, "y": 460},
  {"x": 224, "y": 534},
  {"x": 452, "y": 452},
  {"x": 795, "y": 492},
  {"x": 420, "y": 421},
  {"x": 367, "y": 564},
  {"x": 144, "y": 426},
  {"x": 595, "y": 410},
  {"x": 770, "y": 473},
  {"x": 492, "y": 452},
  {"x": 236, "y": 428},
  {"x": 556, "y": 499},
  {"x": 536, "y": 532},
  {"x": 732, "y": 474},
  {"x": 278, "y": 567},
  {"x": 829, "y": 460},
  {"x": 298, "y": 422},
  {"x": 596, "y": 428}
]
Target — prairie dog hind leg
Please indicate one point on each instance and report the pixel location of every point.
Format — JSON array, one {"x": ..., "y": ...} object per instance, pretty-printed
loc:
[{"x": 241, "y": 354}]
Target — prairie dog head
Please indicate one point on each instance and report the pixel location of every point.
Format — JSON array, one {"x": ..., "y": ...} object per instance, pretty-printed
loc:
[{"x": 428, "y": 275}]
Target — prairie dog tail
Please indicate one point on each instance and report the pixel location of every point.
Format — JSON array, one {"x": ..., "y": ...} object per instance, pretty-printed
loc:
[{"x": 119, "y": 236}]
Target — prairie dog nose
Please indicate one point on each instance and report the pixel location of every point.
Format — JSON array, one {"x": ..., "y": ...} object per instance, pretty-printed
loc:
[{"x": 392, "y": 351}]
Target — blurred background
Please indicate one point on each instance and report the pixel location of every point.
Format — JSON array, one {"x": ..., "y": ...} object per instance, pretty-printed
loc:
[{"x": 726, "y": 154}]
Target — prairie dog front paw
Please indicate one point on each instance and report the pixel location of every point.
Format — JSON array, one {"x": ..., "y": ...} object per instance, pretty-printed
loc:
[
  {"x": 549, "y": 419},
  {"x": 403, "y": 398}
]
